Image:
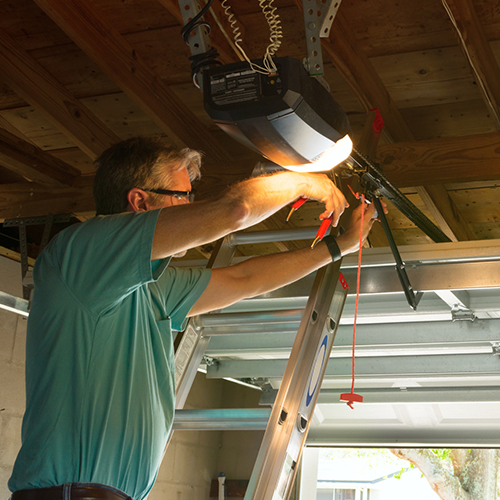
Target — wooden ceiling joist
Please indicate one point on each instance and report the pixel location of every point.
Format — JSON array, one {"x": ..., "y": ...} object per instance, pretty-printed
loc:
[
  {"x": 6, "y": 125},
  {"x": 437, "y": 195},
  {"x": 446, "y": 214},
  {"x": 446, "y": 160},
  {"x": 478, "y": 52},
  {"x": 82, "y": 22},
  {"x": 32, "y": 82},
  {"x": 34, "y": 164},
  {"x": 351, "y": 61},
  {"x": 30, "y": 199},
  {"x": 433, "y": 163}
]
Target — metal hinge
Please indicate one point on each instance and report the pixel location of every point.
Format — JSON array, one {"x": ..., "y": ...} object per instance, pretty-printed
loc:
[{"x": 461, "y": 314}]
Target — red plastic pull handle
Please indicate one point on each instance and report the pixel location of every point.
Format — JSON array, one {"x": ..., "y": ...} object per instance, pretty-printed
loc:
[{"x": 350, "y": 398}]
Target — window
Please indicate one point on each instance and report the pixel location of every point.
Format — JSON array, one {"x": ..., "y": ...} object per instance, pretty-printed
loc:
[{"x": 344, "y": 495}]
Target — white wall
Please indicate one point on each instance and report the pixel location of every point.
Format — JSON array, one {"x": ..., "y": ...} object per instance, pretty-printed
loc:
[{"x": 192, "y": 459}]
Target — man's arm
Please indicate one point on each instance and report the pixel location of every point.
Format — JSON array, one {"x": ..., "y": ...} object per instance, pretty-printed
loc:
[
  {"x": 264, "y": 274},
  {"x": 186, "y": 226}
]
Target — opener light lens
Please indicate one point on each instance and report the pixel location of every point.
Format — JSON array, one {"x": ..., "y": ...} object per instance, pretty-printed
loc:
[{"x": 328, "y": 160}]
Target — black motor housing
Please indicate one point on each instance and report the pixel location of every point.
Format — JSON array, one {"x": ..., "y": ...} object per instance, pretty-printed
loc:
[{"x": 290, "y": 117}]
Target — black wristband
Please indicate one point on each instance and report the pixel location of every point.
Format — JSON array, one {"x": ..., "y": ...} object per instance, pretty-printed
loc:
[{"x": 333, "y": 248}]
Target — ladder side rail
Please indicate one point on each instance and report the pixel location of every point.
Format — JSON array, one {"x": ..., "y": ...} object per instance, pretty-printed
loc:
[
  {"x": 309, "y": 399},
  {"x": 286, "y": 432}
]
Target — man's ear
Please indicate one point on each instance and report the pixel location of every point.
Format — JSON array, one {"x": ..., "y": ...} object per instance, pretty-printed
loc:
[{"x": 137, "y": 200}]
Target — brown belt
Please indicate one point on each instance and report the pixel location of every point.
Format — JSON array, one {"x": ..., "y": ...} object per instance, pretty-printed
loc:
[{"x": 71, "y": 492}]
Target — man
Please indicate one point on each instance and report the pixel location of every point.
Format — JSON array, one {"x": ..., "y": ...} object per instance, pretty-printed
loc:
[{"x": 99, "y": 367}]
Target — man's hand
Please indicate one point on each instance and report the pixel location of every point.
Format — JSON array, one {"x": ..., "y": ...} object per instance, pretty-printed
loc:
[
  {"x": 267, "y": 194},
  {"x": 348, "y": 242},
  {"x": 322, "y": 189}
]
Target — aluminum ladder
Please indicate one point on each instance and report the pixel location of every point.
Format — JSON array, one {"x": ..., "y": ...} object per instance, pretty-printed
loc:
[{"x": 288, "y": 423}]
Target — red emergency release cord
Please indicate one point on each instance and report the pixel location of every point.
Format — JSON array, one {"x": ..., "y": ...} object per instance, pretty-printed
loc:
[{"x": 351, "y": 397}]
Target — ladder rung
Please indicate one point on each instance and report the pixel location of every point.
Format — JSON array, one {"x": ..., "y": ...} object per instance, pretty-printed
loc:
[
  {"x": 250, "y": 419},
  {"x": 250, "y": 318},
  {"x": 305, "y": 233}
]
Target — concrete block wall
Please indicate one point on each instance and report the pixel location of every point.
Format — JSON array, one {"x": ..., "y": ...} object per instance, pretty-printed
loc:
[
  {"x": 12, "y": 354},
  {"x": 190, "y": 462},
  {"x": 192, "y": 459},
  {"x": 239, "y": 449}
]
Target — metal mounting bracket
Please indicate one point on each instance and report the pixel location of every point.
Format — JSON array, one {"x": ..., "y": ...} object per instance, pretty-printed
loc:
[
  {"x": 318, "y": 19},
  {"x": 198, "y": 40},
  {"x": 412, "y": 298}
]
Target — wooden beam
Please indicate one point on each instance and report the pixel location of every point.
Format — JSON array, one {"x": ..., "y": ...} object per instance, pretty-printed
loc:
[
  {"x": 37, "y": 86},
  {"x": 6, "y": 125},
  {"x": 477, "y": 51},
  {"x": 447, "y": 160},
  {"x": 83, "y": 23},
  {"x": 438, "y": 161},
  {"x": 30, "y": 199},
  {"x": 352, "y": 63},
  {"x": 34, "y": 164},
  {"x": 452, "y": 222}
]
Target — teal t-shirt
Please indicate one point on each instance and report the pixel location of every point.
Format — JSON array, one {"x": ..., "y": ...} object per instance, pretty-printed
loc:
[{"x": 100, "y": 386}]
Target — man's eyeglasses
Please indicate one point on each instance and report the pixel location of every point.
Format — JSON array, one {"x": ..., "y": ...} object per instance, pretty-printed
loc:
[{"x": 187, "y": 196}]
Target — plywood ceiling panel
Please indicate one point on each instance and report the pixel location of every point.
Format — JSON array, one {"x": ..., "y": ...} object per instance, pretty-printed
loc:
[
  {"x": 37, "y": 128},
  {"x": 410, "y": 45},
  {"x": 449, "y": 120}
]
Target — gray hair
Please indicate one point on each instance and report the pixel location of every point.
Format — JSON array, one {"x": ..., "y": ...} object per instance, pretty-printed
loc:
[{"x": 140, "y": 162}]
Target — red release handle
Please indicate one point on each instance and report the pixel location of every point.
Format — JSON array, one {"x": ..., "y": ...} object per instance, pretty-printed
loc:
[{"x": 350, "y": 398}]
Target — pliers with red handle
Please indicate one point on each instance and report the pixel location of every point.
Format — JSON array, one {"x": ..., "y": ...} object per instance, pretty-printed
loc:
[
  {"x": 295, "y": 206},
  {"x": 325, "y": 224}
]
